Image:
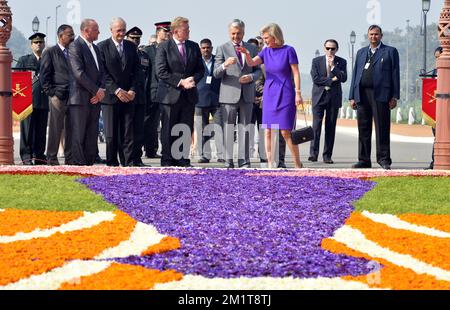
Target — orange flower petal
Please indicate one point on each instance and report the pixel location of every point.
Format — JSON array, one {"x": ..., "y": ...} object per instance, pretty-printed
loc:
[
  {"x": 167, "y": 244},
  {"x": 431, "y": 250},
  {"x": 123, "y": 277},
  {"x": 15, "y": 221},
  {"x": 391, "y": 276},
  {"x": 32, "y": 257},
  {"x": 439, "y": 222}
]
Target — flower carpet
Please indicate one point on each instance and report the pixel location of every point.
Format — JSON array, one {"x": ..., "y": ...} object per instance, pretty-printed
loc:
[{"x": 170, "y": 229}]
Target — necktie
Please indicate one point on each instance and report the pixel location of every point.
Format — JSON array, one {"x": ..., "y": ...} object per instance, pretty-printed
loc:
[
  {"x": 121, "y": 54},
  {"x": 66, "y": 53},
  {"x": 182, "y": 50},
  {"x": 328, "y": 70},
  {"x": 238, "y": 53}
]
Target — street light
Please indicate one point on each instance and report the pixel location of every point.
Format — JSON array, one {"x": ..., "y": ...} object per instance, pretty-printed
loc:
[
  {"x": 46, "y": 26},
  {"x": 56, "y": 21},
  {"x": 353, "y": 41},
  {"x": 35, "y": 24},
  {"x": 317, "y": 53},
  {"x": 425, "y": 8}
]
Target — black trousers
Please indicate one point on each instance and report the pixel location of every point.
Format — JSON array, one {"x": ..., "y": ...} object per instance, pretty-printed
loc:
[
  {"x": 324, "y": 108},
  {"x": 138, "y": 132},
  {"x": 181, "y": 116},
  {"x": 368, "y": 110},
  {"x": 118, "y": 124},
  {"x": 151, "y": 124},
  {"x": 84, "y": 123},
  {"x": 33, "y": 134}
]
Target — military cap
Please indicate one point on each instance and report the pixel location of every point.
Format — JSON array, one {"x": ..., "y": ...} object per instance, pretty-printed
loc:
[
  {"x": 134, "y": 32},
  {"x": 37, "y": 37},
  {"x": 163, "y": 25}
]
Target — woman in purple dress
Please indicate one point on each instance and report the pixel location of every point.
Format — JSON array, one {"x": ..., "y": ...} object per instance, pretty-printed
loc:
[{"x": 280, "y": 98}]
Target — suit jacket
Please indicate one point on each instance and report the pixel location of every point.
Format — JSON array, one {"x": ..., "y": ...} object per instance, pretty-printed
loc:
[
  {"x": 86, "y": 78},
  {"x": 55, "y": 73},
  {"x": 170, "y": 70},
  {"x": 144, "y": 75},
  {"x": 231, "y": 89},
  {"x": 386, "y": 74},
  {"x": 208, "y": 93},
  {"x": 116, "y": 75},
  {"x": 40, "y": 99},
  {"x": 152, "y": 83},
  {"x": 321, "y": 80}
]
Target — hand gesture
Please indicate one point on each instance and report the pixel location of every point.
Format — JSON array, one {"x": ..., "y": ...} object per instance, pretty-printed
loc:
[
  {"x": 246, "y": 79},
  {"x": 230, "y": 61}
]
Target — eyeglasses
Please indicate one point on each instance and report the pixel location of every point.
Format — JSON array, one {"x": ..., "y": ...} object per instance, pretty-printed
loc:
[
  {"x": 330, "y": 49},
  {"x": 38, "y": 42}
]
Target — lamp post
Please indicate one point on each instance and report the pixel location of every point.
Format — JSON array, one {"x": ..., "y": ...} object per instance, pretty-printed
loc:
[
  {"x": 56, "y": 21},
  {"x": 407, "y": 60},
  {"x": 35, "y": 24},
  {"x": 353, "y": 41},
  {"x": 442, "y": 145},
  {"x": 6, "y": 135},
  {"x": 425, "y": 8},
  {"x": 46, "y": 26},
  {"x": 317, "y": 53}
]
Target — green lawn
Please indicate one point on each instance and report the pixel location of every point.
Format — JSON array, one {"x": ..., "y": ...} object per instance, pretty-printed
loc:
[
  {"x": 48, "y": 192},
  {"x": 400, "y": 195}
]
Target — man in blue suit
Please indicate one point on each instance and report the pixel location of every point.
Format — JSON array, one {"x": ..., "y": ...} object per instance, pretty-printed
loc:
[
  {"x": 374, "y": 92},
  {"x": 208, "y": 105}
]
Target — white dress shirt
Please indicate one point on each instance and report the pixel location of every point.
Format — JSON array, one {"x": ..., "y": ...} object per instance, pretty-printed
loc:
[{"x": 91, "y": 48}]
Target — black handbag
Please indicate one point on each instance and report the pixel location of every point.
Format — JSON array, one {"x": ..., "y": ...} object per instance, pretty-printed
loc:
[{"x": 302, "y": 135}]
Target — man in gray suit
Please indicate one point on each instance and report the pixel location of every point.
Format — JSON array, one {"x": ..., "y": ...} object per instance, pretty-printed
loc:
[
  {"x": 87, "y": 90},
  {"x": 237, "y": 92}
]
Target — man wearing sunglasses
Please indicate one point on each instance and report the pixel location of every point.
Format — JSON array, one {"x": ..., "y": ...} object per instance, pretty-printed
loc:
[
  {"x": 328, "y": 73},
  {"x": 33, "y": 129}
]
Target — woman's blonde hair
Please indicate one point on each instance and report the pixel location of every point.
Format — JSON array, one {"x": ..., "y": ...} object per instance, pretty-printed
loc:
[
  {"x": 178, "y": 22},
  {"x": 275, "y": 32}
]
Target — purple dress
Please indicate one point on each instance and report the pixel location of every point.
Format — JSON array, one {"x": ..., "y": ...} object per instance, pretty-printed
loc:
[{"x": 279, "y": 110}]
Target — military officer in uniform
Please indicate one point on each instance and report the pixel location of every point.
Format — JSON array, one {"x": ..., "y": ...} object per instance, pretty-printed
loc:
[
  {"x": 33, "y": 129},
  {"x": 153, "y": 113},
  {"x": 134, "y": 35}
]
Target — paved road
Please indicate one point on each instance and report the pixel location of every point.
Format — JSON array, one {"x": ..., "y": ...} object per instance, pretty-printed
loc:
[{"x": 407, "y": 152}]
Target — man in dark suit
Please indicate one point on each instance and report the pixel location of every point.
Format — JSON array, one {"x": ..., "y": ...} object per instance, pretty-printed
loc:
[
  {"x": 134, "y": 35},
  {"x": 374, "y": 92},
  {"x": 328, "y": 73},
  {"x": 87, "y": 90},
  {"x": 152, "y": 111},
  {"x": 179, "y": 67},
  {"x": 208, "y": 106},
  {"x": 55, "y": 80},
  {"x": 121, "y": 70},
  {"x": 33, "y": 129}
]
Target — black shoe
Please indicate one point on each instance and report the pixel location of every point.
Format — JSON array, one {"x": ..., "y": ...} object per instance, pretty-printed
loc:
[
  {"x": 28, "y": 162},
  {"x": 385, "y": 166},
  {"x": 362, "y": 165},
  {"x": 263, "y": 161},
  {"x": 328, "y": 161},
  {"x": 282, "y": 165},
  {"x": 113, "y": 165},
  {"x": 184, "y": 163},
  {"x": 312, "y": 159},
  {"x": 203, "y": 160},
  {"x": 40, "y": 161},
  {"x": 53, "y": 162},
  {"x": 99, "y": 160},
  {"x": 153, "y": 156},
  {"x": 221, "y": 161},
  {"x": 139, "y": 164},
  {"x": 229, "y": 165},
  {"x": 430, "y": 167}
]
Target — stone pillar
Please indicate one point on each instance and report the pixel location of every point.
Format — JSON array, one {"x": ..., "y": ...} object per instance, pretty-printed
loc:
[
  {"x": 6, "y": 135},
  {"x": 442, "y": 146}
]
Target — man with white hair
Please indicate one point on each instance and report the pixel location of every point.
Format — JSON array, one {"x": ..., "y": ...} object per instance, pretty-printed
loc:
[
  {"x": 86, "y": 93},
  {"x": 121, "y": 71},
  {"x": 237, "y": 92}
]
